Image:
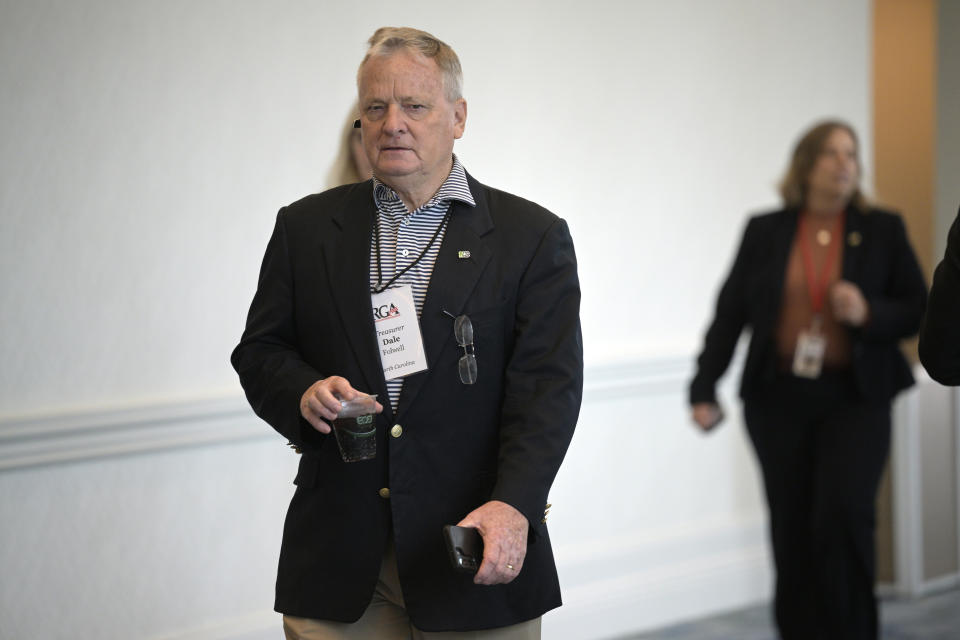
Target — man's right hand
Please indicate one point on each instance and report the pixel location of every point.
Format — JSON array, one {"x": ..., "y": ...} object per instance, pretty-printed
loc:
[
  {"x": 321, "y": 402},
  {"x": 707, "y": 415}
]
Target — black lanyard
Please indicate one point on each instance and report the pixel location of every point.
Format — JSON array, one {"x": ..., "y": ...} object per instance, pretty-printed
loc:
[{"x": 380, "y": 287}]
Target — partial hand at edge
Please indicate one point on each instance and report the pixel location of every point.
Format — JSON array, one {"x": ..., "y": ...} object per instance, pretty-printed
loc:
[
  {"x": 322, "y": 401},
  {"x": 504, "y": 532}
]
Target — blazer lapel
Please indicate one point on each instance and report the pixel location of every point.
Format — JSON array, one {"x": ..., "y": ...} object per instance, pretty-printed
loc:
[
  {"x": 348, "y": 265},
  {"x": 852, "y": 241},
  {"x": 782, "y": 244},
  {"x": 451, "y": 284}
]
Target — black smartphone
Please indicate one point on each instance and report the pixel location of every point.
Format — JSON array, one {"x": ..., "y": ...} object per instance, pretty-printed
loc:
[{"x": 465, "y": 546}]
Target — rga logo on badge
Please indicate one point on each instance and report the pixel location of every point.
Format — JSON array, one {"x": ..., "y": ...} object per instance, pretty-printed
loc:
[
  {"x": 385, "y": 311},
  {"x": 398, "y": 332}
]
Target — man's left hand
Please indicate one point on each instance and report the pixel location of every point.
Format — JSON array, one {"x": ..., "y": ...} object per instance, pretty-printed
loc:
[{"x": 504, "y": 531}]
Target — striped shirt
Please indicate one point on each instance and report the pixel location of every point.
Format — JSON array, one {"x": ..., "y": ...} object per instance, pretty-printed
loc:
[{"x": 404, "y": 236}]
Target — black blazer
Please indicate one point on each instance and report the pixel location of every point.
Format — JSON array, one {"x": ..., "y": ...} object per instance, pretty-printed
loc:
[
  {"x": 940, "y": 332},
  {"x": 502, "y": 438},
  {"x": 877, "y": 258}
]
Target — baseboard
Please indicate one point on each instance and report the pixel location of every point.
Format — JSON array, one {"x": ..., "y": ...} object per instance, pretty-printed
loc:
[
  {"x": 891, "y": 591},
  {"x": 632, "y": 586},
  {"x": 941, "y": 583},
  {"x": 254, "y": 626}
]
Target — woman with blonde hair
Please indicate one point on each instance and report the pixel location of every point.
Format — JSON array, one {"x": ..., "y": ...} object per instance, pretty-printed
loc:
[
  {"x": 828, "y": 286},
  {"x": 351, "y": 164}
]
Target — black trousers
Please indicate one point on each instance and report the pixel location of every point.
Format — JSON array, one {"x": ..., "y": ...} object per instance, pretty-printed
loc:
[{"x": 822, "y": 450}]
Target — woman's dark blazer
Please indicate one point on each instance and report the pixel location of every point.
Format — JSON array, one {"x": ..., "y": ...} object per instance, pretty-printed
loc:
[
  {"x": 877, "y": 258},
  {"x": 940, "y": 333}
]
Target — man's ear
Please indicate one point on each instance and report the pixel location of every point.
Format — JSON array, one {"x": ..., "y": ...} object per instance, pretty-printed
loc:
[{"x": 459, "y": 117}]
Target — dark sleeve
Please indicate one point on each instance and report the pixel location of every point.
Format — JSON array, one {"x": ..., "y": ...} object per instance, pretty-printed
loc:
[
  {"x": 940, "y": 331},
  {"x": 729, "y": 319},
  {"x": 272, "y": 371},
  {"x": 895, "y": 314},
  {"x": 544, "y": 377}
]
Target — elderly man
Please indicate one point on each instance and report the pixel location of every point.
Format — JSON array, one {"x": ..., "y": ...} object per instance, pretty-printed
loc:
[{"x": 473, "y": 346}]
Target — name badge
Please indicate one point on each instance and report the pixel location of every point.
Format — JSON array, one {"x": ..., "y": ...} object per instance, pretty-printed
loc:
[
  {"x": 808, "y": 358},
  {"x": 398, "y": 332}
]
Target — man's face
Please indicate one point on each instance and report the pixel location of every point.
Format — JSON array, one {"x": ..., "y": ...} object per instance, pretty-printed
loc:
[{"x": 408, "y": 125}]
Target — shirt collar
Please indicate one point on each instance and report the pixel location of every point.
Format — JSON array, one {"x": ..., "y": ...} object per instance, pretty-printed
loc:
[{"x": 455, "y": 187}]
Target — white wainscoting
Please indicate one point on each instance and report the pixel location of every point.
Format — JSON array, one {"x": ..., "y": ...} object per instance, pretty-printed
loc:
[
  {"x": 151, "y": 522},
  {"x": 926, "y": 506},
  {"x": 164, "y": 521},
  {"x": 654, "y": 522}
]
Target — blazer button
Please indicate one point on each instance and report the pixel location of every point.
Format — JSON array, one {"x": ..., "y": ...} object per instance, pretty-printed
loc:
[
  {"x": 384, "y": 493},
  {"x": 397, "y": 431}
]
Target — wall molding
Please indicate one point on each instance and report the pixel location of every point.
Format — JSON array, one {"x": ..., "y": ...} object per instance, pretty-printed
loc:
[
  {"x": 83, "y": 435},
  {"x": 72, "y": 436},
  {"x": 640, "y": 377}
]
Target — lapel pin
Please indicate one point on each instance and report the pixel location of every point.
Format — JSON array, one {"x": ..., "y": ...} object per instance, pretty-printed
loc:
[
  {"x": 463, "y": 255},
  {"x": 854, "y": 239}
]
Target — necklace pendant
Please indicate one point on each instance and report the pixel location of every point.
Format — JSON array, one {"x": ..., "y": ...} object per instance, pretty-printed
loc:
[{"x": 823, "y": 237}]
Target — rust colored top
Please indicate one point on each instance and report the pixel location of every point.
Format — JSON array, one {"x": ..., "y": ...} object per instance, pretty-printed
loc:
[{"x": 796, "y": 307}]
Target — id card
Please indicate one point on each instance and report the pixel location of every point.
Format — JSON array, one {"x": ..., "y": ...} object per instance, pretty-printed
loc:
[
  {"x": 808, "y": 358},
  {"x": 398, "y": 332}
]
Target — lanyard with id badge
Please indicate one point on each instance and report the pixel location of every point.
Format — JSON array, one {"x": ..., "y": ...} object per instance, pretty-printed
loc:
[
  {"x": 811, "y": 343},
  {"x": 399, "y": 339}
]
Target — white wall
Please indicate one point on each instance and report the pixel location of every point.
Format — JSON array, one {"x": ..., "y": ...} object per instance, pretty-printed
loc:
[
  {"x": 146, "y": 147},
  {"x": 144, "y": 150}
]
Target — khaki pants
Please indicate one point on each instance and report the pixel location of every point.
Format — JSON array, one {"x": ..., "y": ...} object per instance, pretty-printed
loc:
[{"x": 386, "y": 619}]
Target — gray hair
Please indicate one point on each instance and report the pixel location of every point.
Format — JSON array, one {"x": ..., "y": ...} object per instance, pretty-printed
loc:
[{"x": 388, "y": 40}]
